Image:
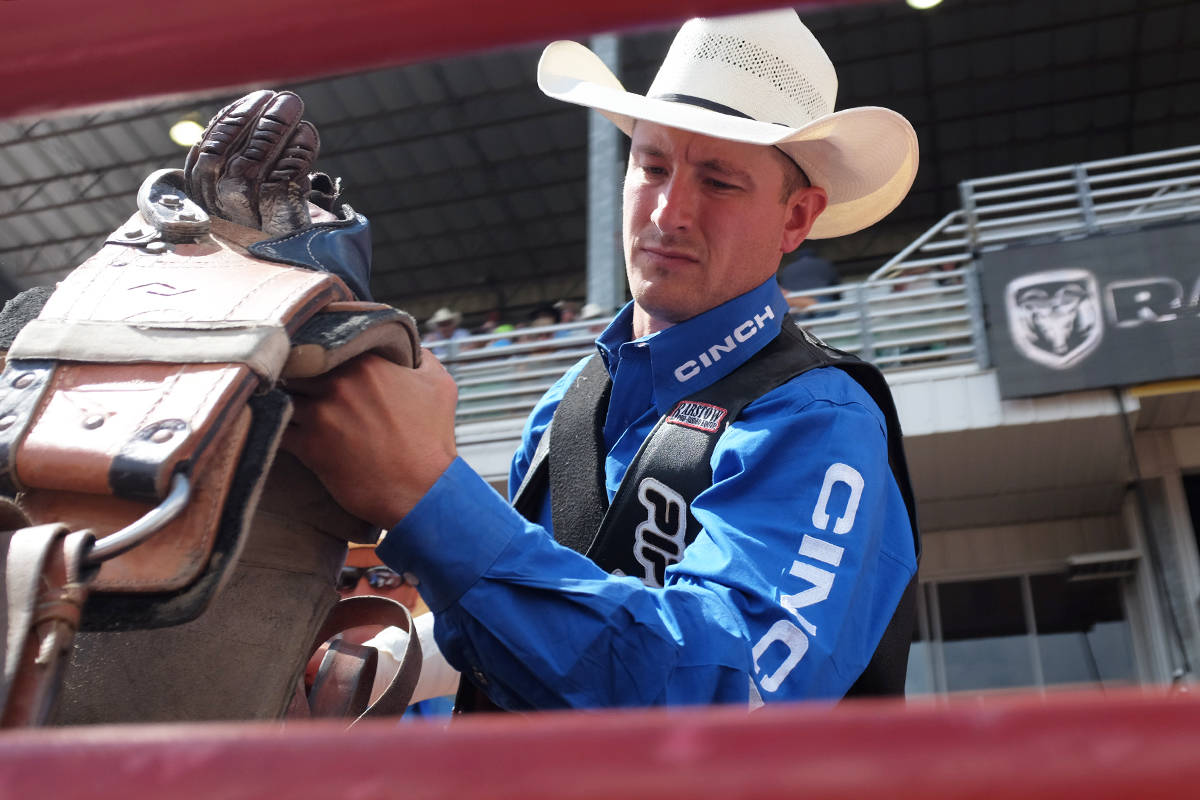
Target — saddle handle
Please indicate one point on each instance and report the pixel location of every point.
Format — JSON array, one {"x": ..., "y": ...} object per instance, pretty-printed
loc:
[
  {"x": 145, "y": 526},
  {"x": 164, "y": 204}
]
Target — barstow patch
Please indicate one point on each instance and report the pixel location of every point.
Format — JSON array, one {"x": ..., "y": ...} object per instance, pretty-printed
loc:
[{"x": 701, "y": 416}]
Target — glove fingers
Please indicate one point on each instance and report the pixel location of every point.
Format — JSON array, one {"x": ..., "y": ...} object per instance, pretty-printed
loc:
[
  {"x": 239, "y": 188},
  {"x": 283, "y": 203},
  {"x": 207, "y": 160}
]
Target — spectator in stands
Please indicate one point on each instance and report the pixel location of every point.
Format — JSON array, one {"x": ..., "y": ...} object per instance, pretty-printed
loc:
[
  {"x": 489, "y": 324},
  {"x": 442, "y": 329},
  {"x": 503, "y": 341},
  {"x": 568, "y": 311},
  {"x": 541, "y": 317},
  {"x": 806, "y": 272}
]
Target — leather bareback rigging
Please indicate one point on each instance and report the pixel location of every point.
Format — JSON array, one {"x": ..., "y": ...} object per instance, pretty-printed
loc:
[{"x": 163, "y": 355}]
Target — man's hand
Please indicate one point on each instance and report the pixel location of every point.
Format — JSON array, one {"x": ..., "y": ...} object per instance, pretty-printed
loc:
[
  {"x": 378, "y": 435},
  {"x": 252, "y": 164}
]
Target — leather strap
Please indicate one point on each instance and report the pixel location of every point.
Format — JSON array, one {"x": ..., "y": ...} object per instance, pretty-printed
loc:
[
  {"x": 578, "y": 495},
  {"x": 348, "y": 676},
  {"x": 342, "y": 687},
  {"x": 44, "y": 593}
]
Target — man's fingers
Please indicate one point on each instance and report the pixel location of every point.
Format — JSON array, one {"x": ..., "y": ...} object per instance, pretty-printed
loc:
[{"x": 430, "y": 364}]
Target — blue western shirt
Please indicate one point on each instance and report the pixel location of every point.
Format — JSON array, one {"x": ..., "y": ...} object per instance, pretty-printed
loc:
[{"x": 804, "y": 551}]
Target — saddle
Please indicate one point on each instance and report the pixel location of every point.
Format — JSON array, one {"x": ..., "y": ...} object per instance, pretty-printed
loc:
[{"x": 140, "y": 414}]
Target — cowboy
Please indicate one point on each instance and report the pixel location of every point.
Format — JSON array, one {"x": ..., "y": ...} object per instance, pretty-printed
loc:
[
  {"x": 442, "y": 330},
  {"x": 731, "y": 493}
]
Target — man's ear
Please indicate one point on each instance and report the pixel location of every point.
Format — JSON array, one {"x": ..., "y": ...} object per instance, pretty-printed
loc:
[{"x": 803, "y": 208}]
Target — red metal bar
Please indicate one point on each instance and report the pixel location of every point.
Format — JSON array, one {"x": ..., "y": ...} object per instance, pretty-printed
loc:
[
  {"x": 1077, "y": 745},
  {"x": 69, "y": 53}
]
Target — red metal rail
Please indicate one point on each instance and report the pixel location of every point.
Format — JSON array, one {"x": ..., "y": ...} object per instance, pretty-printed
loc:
[
  {"x": 60, "y": 54},
  {"x": 1076, "y": 745}
]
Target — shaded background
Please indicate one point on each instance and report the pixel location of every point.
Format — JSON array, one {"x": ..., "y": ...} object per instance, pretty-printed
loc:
[{"x": 475, "y": 183}]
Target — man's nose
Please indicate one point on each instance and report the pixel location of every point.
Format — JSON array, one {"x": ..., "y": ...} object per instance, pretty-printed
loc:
[{"x": 675, "y": 210}]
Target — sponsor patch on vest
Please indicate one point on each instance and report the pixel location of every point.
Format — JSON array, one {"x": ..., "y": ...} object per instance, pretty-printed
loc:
[{"x": 701, "y": 416}]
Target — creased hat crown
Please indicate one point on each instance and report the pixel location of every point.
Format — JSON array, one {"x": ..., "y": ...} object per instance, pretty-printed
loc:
[{"x": 767, "y": 67}]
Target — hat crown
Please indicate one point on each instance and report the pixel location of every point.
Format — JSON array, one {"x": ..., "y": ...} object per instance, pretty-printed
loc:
[{"x": 766, "y": 66}]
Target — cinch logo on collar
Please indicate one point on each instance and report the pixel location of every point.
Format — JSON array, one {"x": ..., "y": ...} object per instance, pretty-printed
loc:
[
  {"x": 701, "y": 416},
  {"x": 740, "y": 335}
]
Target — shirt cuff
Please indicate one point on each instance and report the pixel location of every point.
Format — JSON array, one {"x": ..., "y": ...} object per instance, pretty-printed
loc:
[{"x": 452, "y": 536}]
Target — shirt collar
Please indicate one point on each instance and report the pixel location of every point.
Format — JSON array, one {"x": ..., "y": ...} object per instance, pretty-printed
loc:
[{"x": 698, "y": 352}]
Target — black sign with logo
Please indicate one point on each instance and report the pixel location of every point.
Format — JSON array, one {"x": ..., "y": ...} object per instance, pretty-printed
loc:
[{"x": 1103, "y": 311}]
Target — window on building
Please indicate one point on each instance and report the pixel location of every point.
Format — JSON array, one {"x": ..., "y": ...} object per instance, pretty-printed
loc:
[
  {"x": 1081, "y": 631},
  {"x": 1191, "y": 489},
  {"x": 985, "y": 641},
  {"x": 1020, "y": 632},
  {"x": 920, "y": 677}
]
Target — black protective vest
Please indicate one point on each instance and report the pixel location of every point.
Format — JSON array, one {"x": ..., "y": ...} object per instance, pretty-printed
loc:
[{"x": 673, "y": 467}]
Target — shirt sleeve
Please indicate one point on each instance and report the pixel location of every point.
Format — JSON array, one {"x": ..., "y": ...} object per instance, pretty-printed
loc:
[{"x": 783, "y": 595}]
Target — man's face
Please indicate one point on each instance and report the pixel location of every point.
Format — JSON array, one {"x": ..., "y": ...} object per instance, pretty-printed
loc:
[{"x": 704, "y": 221}]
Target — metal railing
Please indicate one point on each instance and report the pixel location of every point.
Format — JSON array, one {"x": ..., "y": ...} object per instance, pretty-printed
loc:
[
  {"x": 1109, "y": 195},
  {"x": 920, "y": 309},
  {"x": 898, "y": 324}
]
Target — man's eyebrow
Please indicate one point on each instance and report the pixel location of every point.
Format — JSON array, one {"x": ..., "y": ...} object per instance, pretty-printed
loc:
[
  {"x": 725, "y": 168},
  {"x": 648, "y": 150}
]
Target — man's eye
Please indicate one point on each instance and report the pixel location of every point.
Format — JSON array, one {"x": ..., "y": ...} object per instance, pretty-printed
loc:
[
  {"x": 716, "y": 184},
  {"x": 649, "y": 170}
]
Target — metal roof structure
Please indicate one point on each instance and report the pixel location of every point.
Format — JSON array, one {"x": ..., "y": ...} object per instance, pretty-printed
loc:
[{"x": 476, "y": 183}]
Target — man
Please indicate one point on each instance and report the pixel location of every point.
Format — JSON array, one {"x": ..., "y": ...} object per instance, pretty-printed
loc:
[
  {"x": 805, "y": 273},
  {"x": 799, "y": 538},
  {"x": 442, "y": 330}
]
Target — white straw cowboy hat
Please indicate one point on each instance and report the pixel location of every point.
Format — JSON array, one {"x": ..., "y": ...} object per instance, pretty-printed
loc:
[
  {"x": 764, "y": 79},
  {"x": 443, "y": 314}
]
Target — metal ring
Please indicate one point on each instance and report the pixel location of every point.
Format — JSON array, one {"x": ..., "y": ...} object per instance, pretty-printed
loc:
[{"x": 150, "y": 523}]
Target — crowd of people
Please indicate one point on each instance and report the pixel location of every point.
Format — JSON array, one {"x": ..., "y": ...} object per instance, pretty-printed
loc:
[{"x": 445, "y": 335}]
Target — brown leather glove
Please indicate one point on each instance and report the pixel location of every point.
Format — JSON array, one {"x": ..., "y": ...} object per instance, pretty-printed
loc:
[{"x": 252, "y": 164}]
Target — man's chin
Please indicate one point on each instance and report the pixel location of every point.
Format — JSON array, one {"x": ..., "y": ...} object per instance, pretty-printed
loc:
[{"x": 667, "y": 307}]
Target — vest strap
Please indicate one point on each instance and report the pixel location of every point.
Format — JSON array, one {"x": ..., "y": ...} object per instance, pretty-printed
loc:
[{"x": 650, "y": 523}]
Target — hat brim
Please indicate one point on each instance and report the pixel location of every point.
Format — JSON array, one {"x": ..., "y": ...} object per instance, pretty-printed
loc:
[{"x": 864, "y": 158}]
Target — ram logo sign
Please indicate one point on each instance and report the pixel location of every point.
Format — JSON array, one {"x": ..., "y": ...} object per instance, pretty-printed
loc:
[
  {"x": 1054, "y": 317},
  {"x": 1097, "y": 312}
]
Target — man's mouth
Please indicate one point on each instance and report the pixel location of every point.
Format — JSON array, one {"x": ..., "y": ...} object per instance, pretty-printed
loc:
[{"x": 668, "y": 254}]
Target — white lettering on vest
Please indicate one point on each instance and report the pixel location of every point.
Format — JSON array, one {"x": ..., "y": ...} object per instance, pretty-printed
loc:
[{"x": 659, "y": 541}]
